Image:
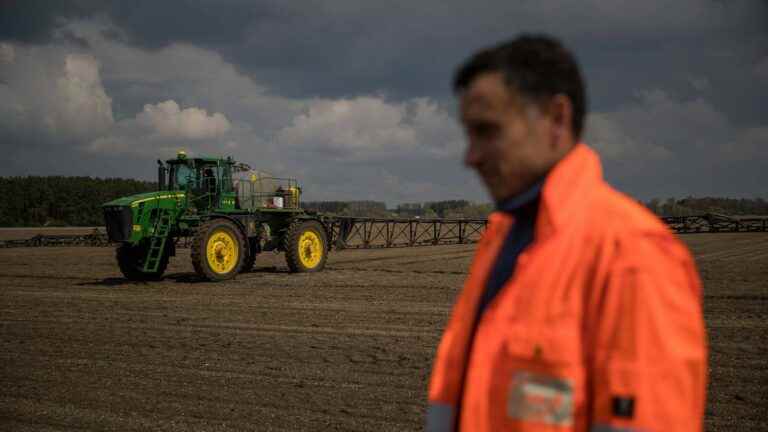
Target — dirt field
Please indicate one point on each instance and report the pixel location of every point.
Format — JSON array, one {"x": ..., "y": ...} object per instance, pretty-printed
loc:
[{"x": 346, "y": 349}]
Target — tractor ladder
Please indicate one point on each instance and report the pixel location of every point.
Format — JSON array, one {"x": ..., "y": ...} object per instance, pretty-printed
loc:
[{"x": 157, "y": 243}]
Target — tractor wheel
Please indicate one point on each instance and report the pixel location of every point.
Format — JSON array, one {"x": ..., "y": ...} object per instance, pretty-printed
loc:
[
  {"x": 130, "y": 259},
  {"x": 218, "y": 250},
  {"x": 306, "y": 246},
  {"x": 250, "y": 259}
]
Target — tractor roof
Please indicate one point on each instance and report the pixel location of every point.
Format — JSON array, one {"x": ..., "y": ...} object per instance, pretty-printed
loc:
[{"x": 182, "y": 156}]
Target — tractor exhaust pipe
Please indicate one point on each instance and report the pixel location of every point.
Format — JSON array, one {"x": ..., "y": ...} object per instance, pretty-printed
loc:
[{"x": 160, "y": 175}]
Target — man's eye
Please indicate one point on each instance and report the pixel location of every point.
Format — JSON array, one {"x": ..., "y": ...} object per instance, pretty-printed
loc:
[{"x": 483, "y": 130}]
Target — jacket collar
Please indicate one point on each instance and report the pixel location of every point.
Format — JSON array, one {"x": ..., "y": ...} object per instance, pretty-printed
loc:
[
  {"x": 568, "y": 189},
  {"x": 565, "y": 195}
]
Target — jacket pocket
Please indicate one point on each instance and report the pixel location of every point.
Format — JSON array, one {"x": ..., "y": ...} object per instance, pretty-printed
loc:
[{"x": 540, "y": 382}]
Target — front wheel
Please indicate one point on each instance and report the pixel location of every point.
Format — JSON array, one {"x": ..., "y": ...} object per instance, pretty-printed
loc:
[
  {"x": 131, "y": 259},
  {"x": 218, "y": 250},
  {"x": 306, "y": 247}
]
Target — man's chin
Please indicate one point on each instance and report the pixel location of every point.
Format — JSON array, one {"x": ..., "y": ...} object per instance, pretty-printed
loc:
[
  {"x": 498, "y": 195},
  {"x": 502, "y": 194},
  {"x": 498, "y": 189}
]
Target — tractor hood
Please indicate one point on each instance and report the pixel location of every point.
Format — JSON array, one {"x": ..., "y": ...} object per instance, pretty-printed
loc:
[{"x": 134, "y": 200}]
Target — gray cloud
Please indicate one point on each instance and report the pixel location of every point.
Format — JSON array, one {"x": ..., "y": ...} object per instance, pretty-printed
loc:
[
  {"x": 51, "y": 100},
  {"x": 354, "y": 99},
  {"x": 214, "y": 109},
  {"x": 347, "y": 48},
  {"x": 370, "y": 128},
  {"x": 33, "y": 21},
  {"x": 662, "y": 145}
]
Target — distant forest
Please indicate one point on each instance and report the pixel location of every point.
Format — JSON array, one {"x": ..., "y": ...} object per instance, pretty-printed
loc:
[
  {"x": 61, "y": 201},
  {"x": 436, "y": 209},
  {"x": 695, "y": 206},
  {"x": 76, "y": 201}
]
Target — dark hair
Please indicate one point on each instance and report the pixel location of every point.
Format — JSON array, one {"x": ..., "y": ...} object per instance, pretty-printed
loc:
[{"x": 537, "y": 66}]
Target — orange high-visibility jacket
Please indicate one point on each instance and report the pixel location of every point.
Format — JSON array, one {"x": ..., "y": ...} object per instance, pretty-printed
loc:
[{"x": 599, "y": 328}]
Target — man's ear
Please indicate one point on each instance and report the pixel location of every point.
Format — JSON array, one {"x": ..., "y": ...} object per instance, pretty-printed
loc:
[{"x": 560, "y": 113}]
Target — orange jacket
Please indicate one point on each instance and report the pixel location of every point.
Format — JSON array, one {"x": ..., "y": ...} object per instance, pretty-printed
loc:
[{"x": 599, "y": 328}]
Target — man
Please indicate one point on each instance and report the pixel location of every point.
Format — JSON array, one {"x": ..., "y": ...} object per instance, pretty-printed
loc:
[
  {"x": 209, "y": 181},
  {"x": 581, "y": 312}
]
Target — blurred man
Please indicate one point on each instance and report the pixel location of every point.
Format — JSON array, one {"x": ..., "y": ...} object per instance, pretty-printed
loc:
[{"x": 581, "y": 312}]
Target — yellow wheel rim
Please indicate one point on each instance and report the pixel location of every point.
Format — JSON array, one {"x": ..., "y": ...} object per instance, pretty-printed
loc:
[
  {"x": 222, "y": 251},
  {"x": 310, "y": 249}
]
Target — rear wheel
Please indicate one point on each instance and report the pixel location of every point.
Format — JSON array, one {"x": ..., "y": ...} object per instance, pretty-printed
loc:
[
  {"x": 218, "y": 250},
  {"x": 306, "y": 246},
  {"x": 131, "y": 259}
]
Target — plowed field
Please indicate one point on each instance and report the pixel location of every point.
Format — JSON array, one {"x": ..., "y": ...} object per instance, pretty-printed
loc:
[{"x": 346, "y": 349}]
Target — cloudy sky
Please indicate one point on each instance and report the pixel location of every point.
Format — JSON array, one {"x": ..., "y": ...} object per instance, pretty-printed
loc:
[{"x": 353, "y": 97}]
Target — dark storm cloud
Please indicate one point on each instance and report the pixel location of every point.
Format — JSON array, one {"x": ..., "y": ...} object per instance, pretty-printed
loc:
[
  {"x": 222, "y": 24},
  {"x": 150, "y": 24},
  {"x": 336, "y": 48},
  {"x": 405, "y": 48},
  {"x": 33, "y": 21}
]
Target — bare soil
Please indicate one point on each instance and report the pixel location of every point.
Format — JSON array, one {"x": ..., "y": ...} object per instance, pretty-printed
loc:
[{"x": 346, "y": 349}]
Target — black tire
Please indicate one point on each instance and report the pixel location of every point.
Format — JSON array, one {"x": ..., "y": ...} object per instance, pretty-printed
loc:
[
  {"x": 130, "y": 259},
  {"x": 227, "y": 268},
  {"x": 303, "y": 258},
  {"x": 250, "y": 259}
]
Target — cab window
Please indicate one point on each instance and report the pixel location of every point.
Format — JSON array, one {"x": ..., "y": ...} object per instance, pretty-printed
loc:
[{"x": 181, "y": 175}]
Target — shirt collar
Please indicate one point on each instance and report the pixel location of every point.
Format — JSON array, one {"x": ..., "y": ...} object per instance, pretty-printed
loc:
[{"x": 515, "y": 203}]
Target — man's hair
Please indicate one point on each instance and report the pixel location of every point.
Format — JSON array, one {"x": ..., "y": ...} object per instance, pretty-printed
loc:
[{"x": 538, "y": 67}]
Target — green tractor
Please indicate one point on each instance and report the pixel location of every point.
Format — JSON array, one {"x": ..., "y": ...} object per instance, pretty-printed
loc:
[{"x": 230, "y": 212}]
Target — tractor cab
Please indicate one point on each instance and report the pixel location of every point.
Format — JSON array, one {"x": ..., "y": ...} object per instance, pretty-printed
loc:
[{"x": 206, "y": 181}]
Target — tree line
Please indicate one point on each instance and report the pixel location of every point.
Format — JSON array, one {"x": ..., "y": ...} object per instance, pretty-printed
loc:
[
  {"x": 348, "y": 208},
  {"x": 433, "y": 209},
  {"x": 61, "y": 201},
  {"x": 76, "y": 201},
  {"x": 691, "y": 206},
  {"x": 688, "y": 206}
]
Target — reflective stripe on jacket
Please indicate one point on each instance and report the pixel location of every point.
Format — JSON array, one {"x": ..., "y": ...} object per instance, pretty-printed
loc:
[{"x": 599, "y": 328}]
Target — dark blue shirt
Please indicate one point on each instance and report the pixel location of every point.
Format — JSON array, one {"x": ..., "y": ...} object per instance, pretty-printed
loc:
[{"x": 524, "y": 208}]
